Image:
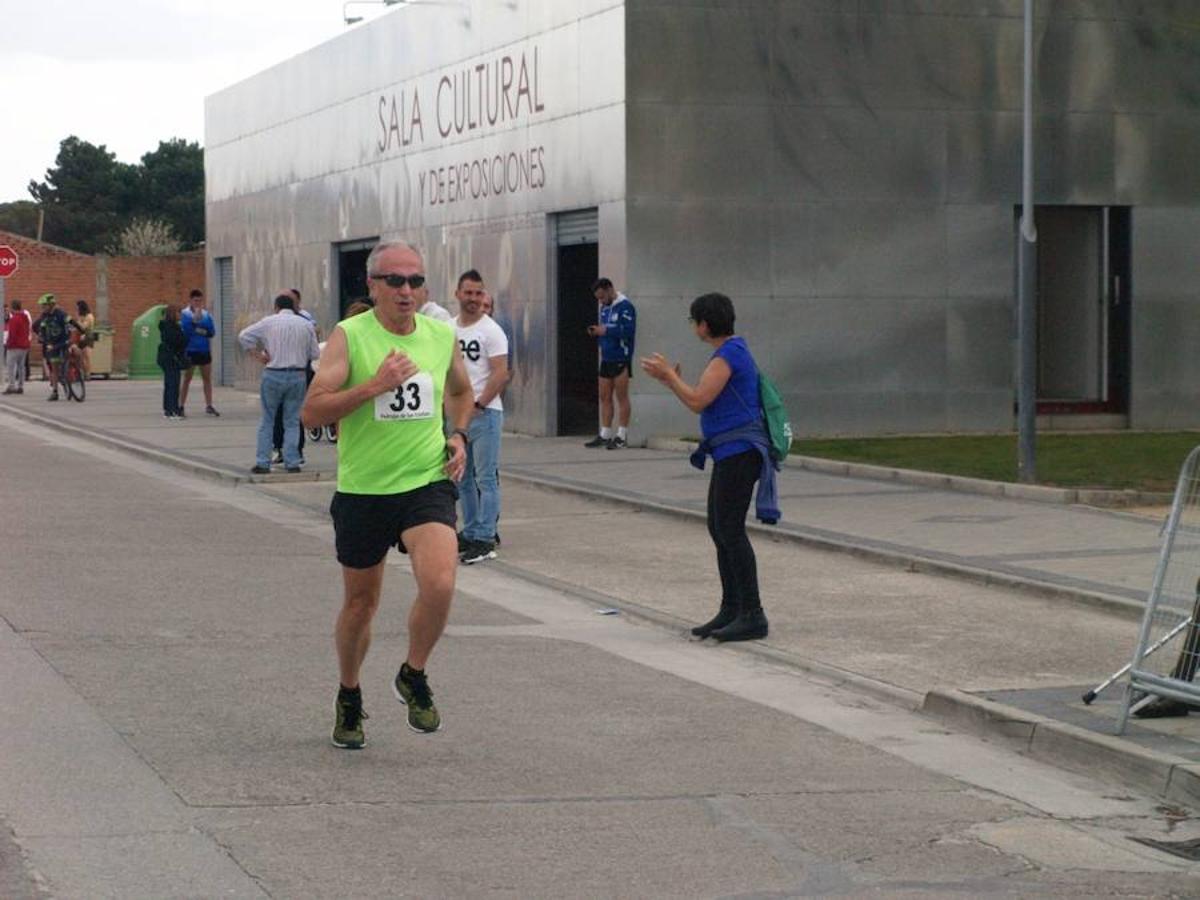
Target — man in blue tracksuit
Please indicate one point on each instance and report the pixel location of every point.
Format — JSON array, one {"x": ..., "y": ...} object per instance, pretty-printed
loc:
[
  {"x": 198, "y": 327},
  {"x": 618, "y": 324}
]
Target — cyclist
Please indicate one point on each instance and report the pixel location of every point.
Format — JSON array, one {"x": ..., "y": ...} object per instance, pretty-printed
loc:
[{"x": 53, "y": 331}]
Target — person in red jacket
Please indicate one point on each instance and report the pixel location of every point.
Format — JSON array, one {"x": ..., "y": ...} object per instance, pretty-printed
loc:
[{"x": 16, "y": 344}]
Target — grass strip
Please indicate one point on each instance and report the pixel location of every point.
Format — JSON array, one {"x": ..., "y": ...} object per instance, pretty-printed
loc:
[{"x": 1145, "y": 461}]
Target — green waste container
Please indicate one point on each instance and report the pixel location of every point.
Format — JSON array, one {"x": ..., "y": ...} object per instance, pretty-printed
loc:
[{"x": 143, "y": 353}]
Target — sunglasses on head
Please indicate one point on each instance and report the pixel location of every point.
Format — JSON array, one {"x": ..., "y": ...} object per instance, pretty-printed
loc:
[{"x": 399, "y": 281}]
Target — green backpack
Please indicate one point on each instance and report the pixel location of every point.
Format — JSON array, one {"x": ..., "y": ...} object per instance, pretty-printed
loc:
[{"x": 775, "y": 417}]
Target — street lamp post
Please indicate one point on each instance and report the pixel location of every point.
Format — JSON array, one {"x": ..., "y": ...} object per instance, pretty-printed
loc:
[{"x": 1027, "y": 285}]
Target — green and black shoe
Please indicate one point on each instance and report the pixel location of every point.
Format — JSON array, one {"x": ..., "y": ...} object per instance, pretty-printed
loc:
[
  {"x": 412, "y": 689},
  {"x": 348, "y": 731}
]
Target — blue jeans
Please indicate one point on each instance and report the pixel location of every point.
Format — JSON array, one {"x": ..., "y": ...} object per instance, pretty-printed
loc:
[
  {"x": 480, "y": 488},
  {"x": 280, "y": 389}
]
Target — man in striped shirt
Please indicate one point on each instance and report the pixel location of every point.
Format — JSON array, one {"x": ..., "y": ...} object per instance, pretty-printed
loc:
[{"x": 285, "y": 344}]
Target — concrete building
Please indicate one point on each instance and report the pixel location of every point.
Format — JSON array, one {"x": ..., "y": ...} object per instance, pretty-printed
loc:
[{"x": 847, "y": 170}]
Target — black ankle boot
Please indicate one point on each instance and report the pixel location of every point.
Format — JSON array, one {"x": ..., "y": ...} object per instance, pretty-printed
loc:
[
  {"x": 726, "y": 614},
  {"x": 750, "y": 625}
]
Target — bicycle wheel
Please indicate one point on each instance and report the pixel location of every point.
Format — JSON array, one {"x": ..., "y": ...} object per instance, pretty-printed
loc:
[
  {"x": 314, "y": 434},
  {"x": 75, "y": 385}
]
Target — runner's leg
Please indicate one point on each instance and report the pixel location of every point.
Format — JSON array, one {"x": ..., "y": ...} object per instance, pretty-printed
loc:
[
  {"x": 433, "y": 549},
  {"x": 352, "y": 634}
]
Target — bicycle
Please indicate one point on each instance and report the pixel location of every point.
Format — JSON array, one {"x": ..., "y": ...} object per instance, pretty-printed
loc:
[
  {"x": 70, "y": 375},
  {"x": 329, "y": 432}
]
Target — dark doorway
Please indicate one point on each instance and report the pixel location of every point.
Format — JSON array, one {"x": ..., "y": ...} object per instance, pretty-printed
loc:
[
  {"x": 578, "y": 403},
  {"x": 1083, "y": 309},
  {"x": 352, "y": 272}
]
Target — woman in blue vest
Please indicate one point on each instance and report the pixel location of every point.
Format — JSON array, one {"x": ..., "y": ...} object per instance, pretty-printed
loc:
[{"x": 727, "y": 399}]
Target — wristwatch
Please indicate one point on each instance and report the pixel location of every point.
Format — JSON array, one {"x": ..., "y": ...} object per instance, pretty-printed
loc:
[{"x": 462, "y": 433}]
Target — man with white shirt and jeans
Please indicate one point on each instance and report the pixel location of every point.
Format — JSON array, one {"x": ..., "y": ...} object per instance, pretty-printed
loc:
[
  {"x": 304, "y": 314},
  {"x": 485, "y": 351},
  {"x": 286, "y": 344}
]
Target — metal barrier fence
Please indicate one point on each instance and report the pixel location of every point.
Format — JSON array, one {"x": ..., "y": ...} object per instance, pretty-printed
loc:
[{"x": 1172, "y": 617}]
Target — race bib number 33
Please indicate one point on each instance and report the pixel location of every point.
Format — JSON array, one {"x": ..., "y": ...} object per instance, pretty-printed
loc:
[{"x": 412, "y": 400}]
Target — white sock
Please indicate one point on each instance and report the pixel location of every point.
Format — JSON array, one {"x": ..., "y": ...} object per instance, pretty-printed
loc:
[
  {"x": 606, "y": 433},
  {"x": 621, "y": 433}
]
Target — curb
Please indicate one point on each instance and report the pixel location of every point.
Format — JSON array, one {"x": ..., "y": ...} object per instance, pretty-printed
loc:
[
  {"x": 1109, "y": 499},
  {"x": 909, "y": 561},
  {"x": 1102, "y": 756},
  {"x": 839, "y": 677},
  {"x": 154, "y": 454}
]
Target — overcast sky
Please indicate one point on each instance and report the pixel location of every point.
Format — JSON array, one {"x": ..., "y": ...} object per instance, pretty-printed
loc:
[{"x": 131, "y": 73}]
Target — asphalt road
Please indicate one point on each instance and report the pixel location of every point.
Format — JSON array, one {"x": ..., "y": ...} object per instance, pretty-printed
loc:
[{"x": 168, "y": 678}]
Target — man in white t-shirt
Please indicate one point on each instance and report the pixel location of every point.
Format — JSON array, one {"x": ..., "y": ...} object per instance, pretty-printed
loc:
[{"x": 485, "y": 352}]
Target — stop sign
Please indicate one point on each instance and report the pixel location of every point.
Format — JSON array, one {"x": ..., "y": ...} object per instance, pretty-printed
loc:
[{"x": 8, "y": 260}]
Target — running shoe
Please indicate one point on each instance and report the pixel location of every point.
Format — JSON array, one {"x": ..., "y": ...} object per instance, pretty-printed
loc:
[
  {"x": 617, "y": 443},
  {"x": 348, "y": 731},
  {"x": 211, "y": 411},
  {"x": 597, "y": 441},
  {"x": 277, "y": 459},
  {"x": 477, "y": 552},
  {"x": 412, "y": 689}
]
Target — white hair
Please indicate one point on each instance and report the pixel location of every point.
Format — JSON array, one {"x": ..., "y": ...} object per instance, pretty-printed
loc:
[{"x": 384, "y": 246}]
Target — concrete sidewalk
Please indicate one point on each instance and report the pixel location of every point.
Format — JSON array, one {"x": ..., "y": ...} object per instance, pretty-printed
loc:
[{"x": 1079, "y": 574}]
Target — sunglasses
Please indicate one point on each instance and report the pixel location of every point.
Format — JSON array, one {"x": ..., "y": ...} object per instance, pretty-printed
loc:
[{"x": 399, "y": 281}]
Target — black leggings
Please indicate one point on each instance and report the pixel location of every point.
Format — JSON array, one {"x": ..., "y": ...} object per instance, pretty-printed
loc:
[
  {"x": 171, "y": 389},
  {"x": 729, "y": 492}
]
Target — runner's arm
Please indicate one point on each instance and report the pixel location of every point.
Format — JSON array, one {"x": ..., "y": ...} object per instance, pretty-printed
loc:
[
  {"x": 458, "y": 404},
  {"x": 459, "y": 399}
]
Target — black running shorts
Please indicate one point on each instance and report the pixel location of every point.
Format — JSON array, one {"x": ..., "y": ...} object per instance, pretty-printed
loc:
[
  {"x": 199, "y": 359},
  {"x": 367, "y": 525},
  {"x": 613, "y": 369}
]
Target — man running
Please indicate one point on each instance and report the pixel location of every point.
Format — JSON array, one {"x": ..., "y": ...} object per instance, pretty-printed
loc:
[{"x": 382, "y": 378}]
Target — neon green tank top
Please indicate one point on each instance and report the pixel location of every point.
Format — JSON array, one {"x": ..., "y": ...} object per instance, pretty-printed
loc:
[{"x": 395, "y": 443}]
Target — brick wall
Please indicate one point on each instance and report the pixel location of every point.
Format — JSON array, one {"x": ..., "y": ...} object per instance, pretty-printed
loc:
[
  {"x": 133, "y": 283},
  {"x": 136, "y": 283}
]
